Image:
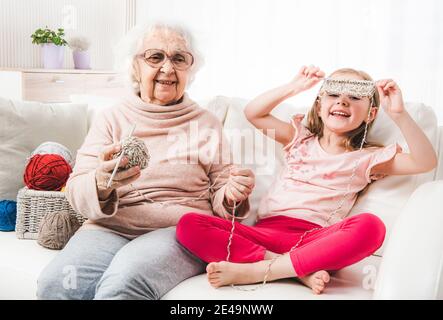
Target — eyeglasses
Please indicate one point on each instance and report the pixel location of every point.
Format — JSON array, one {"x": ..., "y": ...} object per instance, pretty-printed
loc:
[{"x": 181, "y": 60}]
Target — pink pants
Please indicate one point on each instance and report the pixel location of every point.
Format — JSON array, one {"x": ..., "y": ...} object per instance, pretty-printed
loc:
[{"x": 329, "y": 248}]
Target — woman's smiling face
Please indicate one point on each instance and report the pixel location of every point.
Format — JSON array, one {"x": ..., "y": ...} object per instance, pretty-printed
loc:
[
  {"x": 342, "y": 113},
  {"x": 165, "y": 84}
]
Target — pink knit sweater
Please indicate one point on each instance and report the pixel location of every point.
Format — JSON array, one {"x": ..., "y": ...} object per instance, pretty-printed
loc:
[{"x": 188, "y": 153}]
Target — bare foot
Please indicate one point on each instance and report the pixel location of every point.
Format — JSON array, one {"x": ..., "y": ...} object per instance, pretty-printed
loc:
[
  {"x": 225, "y": 273},
  {"x": 316, "y": 281}
]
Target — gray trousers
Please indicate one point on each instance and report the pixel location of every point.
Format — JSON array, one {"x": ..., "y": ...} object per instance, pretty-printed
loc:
[{"x": 97, "y": 264}]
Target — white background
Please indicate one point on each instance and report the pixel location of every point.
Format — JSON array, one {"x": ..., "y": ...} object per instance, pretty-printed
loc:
[{"x": 253, "y": 45}]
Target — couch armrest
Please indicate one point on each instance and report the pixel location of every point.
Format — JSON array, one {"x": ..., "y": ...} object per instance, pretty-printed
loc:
[{"x": 412, "y": 262}]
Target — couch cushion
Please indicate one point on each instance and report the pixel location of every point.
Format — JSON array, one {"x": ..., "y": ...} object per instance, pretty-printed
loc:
[
  {"x": 384, "y": 198},
  {"x": 95, "y": 104},
  {"x": 439, "y": 171},
  {"x": 24, "y": 126},
  {"x": 23, "y": 260},
  {"x": 21, "y": 263},
  {"x": 352, "y": 283},
  {"x": 218, "y": 106}
]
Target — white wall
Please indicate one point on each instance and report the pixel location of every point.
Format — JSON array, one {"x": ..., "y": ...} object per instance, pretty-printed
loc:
[
  {"x": 253, "y": 45},
  {"x": 102, "y": 21}
]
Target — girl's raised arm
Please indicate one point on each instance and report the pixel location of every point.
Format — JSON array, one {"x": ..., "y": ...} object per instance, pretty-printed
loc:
[
  {"x": 421, "y": 157},
  {"x": 258, "y": 111}
]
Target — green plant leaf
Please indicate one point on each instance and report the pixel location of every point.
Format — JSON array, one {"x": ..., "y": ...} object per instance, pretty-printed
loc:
[{"x": 47, "y": 35}]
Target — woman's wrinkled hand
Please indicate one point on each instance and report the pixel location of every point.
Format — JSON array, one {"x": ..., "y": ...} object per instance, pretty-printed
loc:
[
  {"x": 239, "y": 186},
  {"x": 104, "y": 170}
]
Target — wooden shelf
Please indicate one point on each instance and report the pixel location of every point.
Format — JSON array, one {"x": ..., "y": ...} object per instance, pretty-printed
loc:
[{"x": 56, "y": 85}]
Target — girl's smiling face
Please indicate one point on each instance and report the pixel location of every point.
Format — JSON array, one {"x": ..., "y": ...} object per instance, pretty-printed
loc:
[{"x": 341, "y": 113}]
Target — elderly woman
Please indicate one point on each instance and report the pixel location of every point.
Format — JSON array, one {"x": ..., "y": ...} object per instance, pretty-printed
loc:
[{"x": 127, "y": 247}]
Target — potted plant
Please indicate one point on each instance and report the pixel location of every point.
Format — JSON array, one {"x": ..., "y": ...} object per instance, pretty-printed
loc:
[
  {"x": 52, "y": 45},
  {"x": 79, "y": 46}
]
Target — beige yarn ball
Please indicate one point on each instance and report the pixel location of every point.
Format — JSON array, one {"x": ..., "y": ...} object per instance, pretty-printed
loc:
[
  {"x": 136, "y": 151},
  {"x": 56, "y": 228}
]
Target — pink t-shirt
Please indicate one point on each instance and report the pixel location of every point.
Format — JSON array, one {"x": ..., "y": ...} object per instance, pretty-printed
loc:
[{"x": 313, "y": 182}]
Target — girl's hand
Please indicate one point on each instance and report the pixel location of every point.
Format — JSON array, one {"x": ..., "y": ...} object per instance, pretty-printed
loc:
[
  {"x": 306, "y": 78},
  {"x": 239, "y": 185},
  {"x": 390, "y": 97}
]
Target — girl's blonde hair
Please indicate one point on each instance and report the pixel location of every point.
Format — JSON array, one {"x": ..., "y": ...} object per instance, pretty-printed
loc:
[{"x": 354, "y": 137}]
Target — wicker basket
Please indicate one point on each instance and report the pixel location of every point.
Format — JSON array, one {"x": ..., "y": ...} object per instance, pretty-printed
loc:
[{"x": 33, "y": 205}]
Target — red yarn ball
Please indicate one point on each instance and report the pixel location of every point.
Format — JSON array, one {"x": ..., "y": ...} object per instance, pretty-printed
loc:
[{"x": 47, "y": 172}]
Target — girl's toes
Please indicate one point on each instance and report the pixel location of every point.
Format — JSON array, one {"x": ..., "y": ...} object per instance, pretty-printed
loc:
[
  {"x": 320, "y": 289},
  {"x": 320, "y": 286},
  {"x": 212, "y": 267},
  {"x": 326, "y": 278}
]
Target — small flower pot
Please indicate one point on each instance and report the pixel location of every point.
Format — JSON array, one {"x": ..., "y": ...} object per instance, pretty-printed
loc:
[
  {"x": 52, "y": 56},
  {"x": 82, "y": 59}
]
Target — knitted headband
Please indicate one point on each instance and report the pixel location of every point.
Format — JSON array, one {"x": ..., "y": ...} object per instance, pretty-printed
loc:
[{"x": 357, "y": 88}]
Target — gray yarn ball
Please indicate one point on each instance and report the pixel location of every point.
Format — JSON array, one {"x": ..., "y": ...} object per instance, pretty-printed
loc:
[
  {"x": 56, "y": 228},
  {"x": 136, "y": 151},
  {"x": 51, "y": 147}
]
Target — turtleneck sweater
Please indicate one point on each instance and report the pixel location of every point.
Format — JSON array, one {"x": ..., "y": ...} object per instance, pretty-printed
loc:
[{"x": 187, "y": 172}]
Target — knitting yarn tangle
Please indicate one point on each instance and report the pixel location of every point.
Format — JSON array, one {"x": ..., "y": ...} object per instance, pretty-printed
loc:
[
  {"x": 136, "y": 152},
  {"x": 357, "y": 88}
]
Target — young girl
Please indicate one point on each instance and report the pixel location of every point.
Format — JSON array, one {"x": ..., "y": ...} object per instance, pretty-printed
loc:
[{"x": 302, "y": 229}]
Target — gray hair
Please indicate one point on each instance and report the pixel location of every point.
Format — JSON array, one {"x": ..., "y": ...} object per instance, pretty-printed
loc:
[{"x": 131, "y": 45}]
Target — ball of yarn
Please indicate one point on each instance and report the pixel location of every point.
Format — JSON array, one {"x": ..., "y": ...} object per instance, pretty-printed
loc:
[
  {"x": 51, "y": 147},
  {"x": 56, "y": 228},
  {"x": 47, "y": 172},
  {"x": 8, "y": 215},
  {"x": 136, "y": 151}
]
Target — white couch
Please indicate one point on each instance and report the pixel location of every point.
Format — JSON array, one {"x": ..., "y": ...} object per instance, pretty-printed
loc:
[{"x": 408, "y": 266}]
